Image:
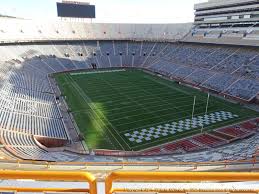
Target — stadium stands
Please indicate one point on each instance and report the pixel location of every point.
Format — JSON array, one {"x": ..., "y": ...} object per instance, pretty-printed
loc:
[
  {"x": 206, "y": 141},
  {"x": 20, "y": 30},
  {"x": 28, "y": 100},
  {"x": 30, "y": 106}
]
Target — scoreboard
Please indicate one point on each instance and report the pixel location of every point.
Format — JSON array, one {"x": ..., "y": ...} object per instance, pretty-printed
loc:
[{"x": 75, "y": 10}]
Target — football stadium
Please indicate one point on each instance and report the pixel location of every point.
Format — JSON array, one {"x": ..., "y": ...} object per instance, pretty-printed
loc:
[{"x": 141, "y": 108}]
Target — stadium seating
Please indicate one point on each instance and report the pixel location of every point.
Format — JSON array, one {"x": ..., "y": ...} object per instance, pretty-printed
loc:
[
  {"x": 207, "y": 141},
  {"x": 244, "y": 89},
  {"x": 250, "y": 126},
  {"x": 180, "y": 72},
  {"x": 235, "y": 132},
  {"x": 29, "y": 106},
  {"x": 219, "y": 82}
]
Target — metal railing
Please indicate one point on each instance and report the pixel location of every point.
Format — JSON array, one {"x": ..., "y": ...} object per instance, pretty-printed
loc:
[
  {"x": 49, "y": 176},
  {"x": 126, "y": 177},
  {"x": 42, "y": 190},
  {"x": 168, "y": 177}
]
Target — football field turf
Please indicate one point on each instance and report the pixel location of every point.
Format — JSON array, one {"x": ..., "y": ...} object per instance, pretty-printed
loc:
[{"x": 134, "y": 110}]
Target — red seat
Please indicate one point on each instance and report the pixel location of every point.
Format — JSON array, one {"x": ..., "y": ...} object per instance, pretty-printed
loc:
[
  {"x": 209, "y": 140},
  {"x": 235, "y": 132},
  {"x": 248, "y": 125}
]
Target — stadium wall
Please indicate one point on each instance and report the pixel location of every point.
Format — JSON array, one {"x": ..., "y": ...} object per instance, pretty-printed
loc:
[
  {"x": 18, "y": 30},
  {"x": 21, "y": 31}
]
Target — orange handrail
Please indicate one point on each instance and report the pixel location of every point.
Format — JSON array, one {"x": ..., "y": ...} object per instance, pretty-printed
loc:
[
  {"x": 186, "y": 191},
  {"x": 174, "y": 176},
  {"x": 41, "y": 190},
  {"x": 52, "y": 176},
  {"x": 128, "y": 177}
]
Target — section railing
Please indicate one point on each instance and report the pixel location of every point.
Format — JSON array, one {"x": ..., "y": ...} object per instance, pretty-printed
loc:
[{"x": 49, "y": 176}]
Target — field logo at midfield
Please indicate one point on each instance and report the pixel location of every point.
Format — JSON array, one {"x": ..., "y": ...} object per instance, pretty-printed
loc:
[
  {"x": 169, "y": 129},
  {"x": 94, "y": 72}
]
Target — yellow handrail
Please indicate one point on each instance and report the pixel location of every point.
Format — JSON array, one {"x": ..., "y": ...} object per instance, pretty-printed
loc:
[
  {"x": 52, "y": 176},
  {"x": 175, "y": 176},
  {"x": 41, "y": 190},
  {"x": 127, "y": 177}
]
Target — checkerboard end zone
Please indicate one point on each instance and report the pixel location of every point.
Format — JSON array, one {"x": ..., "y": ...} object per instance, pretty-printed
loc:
[{"x": 169, "y": 129}]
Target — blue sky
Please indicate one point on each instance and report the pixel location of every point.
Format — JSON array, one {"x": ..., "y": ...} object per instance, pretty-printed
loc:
[{"x": 118, "y": 11}]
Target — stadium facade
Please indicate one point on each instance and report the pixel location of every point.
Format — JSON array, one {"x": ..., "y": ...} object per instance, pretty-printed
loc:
[
  {"x": 226, "y": 22},
  {"x": 30, "y": 30},
  {"x": 230, "y": 11}
]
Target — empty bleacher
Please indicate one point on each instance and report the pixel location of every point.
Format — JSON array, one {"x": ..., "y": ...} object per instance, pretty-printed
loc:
[{"x": 28, "y": 104}]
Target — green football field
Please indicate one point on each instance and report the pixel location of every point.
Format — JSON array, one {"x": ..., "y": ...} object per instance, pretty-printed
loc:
[{"x": 132, "y": 110}]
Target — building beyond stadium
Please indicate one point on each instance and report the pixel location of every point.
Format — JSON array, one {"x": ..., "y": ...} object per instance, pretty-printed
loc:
[
  {"x": 226, "y": 22},
  {"x": 230, "y": 11}
]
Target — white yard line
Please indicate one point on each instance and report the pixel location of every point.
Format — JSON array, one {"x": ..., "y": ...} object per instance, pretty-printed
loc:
[
  {"x": 155, "y": 111},
  {"x": 151, "y": 125},
  {"x": 162, "y": 100},
  {"x": 120, "y": 111},
  {"x": 175, "y": 105},
  {"x": 87, "y": 99},
  {"x": 144, "y": 99},
  {"x": 134, "y": 101},
  {"x": 135, "y": 95}
]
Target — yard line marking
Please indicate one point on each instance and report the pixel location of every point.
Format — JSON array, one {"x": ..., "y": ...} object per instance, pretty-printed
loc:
[
  {"x": 120, "y": 110},
  {"x": 146, "y": 103},
  {"x": 157, "y": 123},
  {"x": 88, "y": 99},
  {"x": 129, "y": 91},
  {"x": 100, "y": 97},
  {"x": 124, "y": 123},
  {"x": 154, "y": 111},
  {"x": 149, "y": 100},
  {"x": 147, "y": 97},
  {"x": 159, "y": 98}
]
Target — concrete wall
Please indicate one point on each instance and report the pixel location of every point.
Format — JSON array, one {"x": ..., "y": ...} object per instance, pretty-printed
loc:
[{"x": 16, "y": 30}]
